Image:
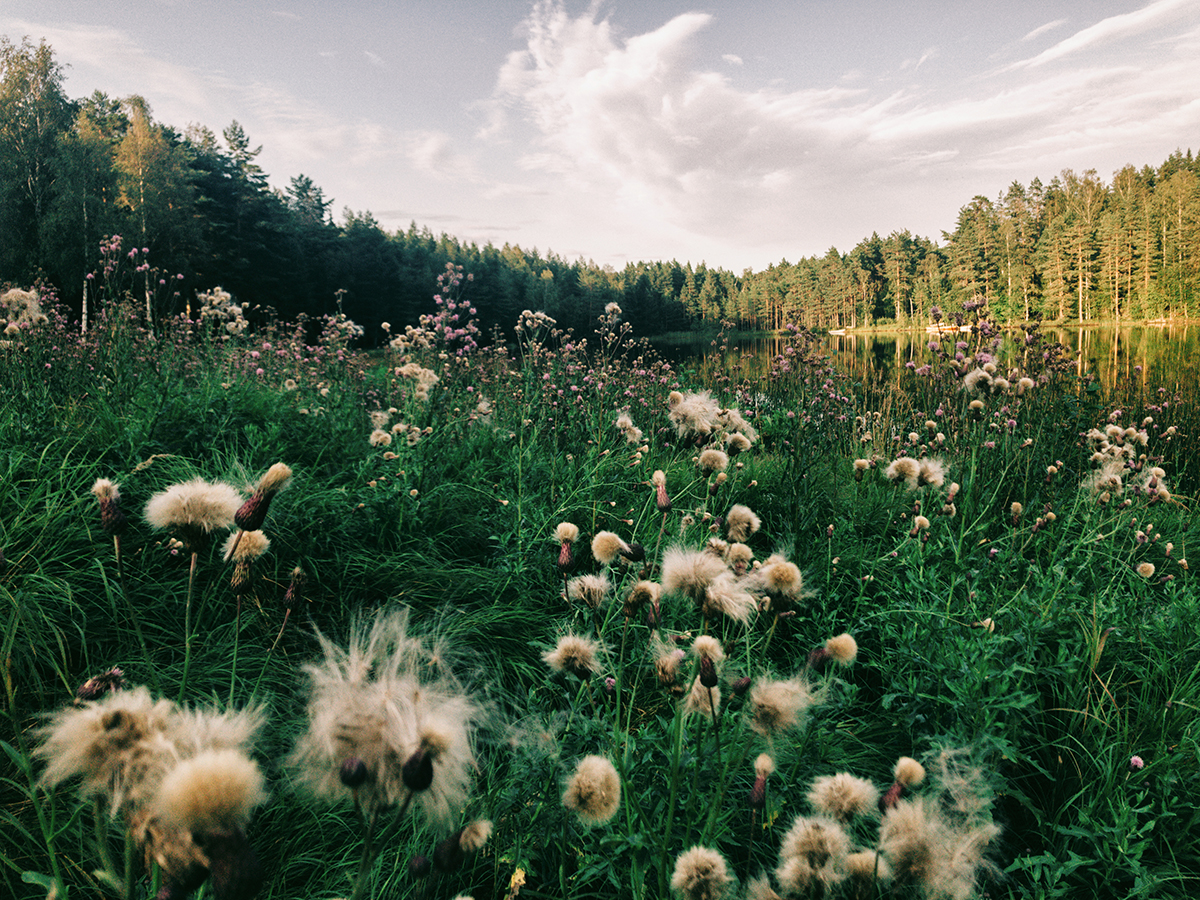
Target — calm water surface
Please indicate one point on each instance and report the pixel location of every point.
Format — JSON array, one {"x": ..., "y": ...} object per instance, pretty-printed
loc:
[{"x": 1168, "y": 356}]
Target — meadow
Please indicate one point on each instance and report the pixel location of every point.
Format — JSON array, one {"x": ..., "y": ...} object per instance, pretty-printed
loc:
[{"x": 552, "y": 618}]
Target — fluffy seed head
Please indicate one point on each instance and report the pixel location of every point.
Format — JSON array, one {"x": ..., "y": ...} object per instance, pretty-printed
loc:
[
  {"x": 713, "y": 461},
  {"x": 741, "y": 522},
  {"x": 578, "y": 656},
  {"x": 667, "y": 658},
  {"x": 909, "y": 837},
  {"x": 904, "y": 469},
  {"x": 475, "y": 835},
  {"x": 689, "y": 572},
  {"x": 725, "y": 596},
  {"x": 641, "y": 594},
  {"x": 764, "y": 766},
  {"x": 931, "y": 472},
  {"x": 385, "y": 697},
  {"x": 737, "y": 443},
  {"x": 863, "y": 869},
  {"x": 701, "y": 700},
  {"x": 814, "y": 836},
  {"x": 740, "y": 557},
  {"x": 214, "y": 791},
  {"x": 275, "y": 479},
  {"x": 811, "y": 856},
  {"x": 606, "y": 546},
  {"x": 909, "y": 772},
  {"x": 593, "y": 792},
  {"x": 700, "y": 874},
  {"x": 106, "y": 490},
  {"x": 591, "y": 590},
  {"x": 250, "y": 546},
  {"x": 776, "y": 706},
  {"x": 708, "y": 646},
  {"x": 843, "y": 796},
  {"x": 99, "y": 685},
  {"x": 783, "y": 578},
  {"x": 694, "y": 414},
  {"x": 194, "y": 509},
  {"x": 842, "y": 648}
]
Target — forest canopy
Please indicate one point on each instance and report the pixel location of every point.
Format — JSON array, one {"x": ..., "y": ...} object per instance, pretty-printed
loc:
[{"x": 195, "y": 210}]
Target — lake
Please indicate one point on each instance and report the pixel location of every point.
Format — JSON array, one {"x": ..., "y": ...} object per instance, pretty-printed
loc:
[{"x": 1169, "y": 355}]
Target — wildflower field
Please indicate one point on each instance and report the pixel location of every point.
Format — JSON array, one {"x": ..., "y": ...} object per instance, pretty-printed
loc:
[{"x": 539, "y": 615}]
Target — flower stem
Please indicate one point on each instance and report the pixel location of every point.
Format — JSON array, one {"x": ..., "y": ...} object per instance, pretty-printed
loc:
[
  {"x": 237, "y": 638},
  {"x": 367, "y": 858},
  {"x": 187, "y": 625}
]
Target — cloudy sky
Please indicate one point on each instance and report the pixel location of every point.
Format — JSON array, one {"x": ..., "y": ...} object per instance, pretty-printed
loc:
[{"x": 735, "y": 132}]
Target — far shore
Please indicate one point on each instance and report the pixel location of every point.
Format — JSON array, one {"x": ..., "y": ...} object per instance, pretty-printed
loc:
[{"x": 710, "y": 334}]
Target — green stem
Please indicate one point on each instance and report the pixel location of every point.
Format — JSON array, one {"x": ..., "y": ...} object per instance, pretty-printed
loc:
[
  {"x": 562, "y": 858},
  {"x": 668, "y": 826},
  {"x": 367, "y": 858},
  {"x": 187, "y": 625},
  {"x": 254, "y": 693},
  {"x": 100, "y": 828},
  {"x": 129, "y": 869},
  {"x": 237, "y": 638}
]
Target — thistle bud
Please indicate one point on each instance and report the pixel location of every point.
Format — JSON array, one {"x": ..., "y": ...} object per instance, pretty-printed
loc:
[
  {"x": 758, "y": 793},
  {"x": 417, "y": 772},
  {"x": 353, "y": 772},
  {"x": 708, "y": 672},
  {"x": 251, "y": 515},
  {"x": 112, "y": 517},
  {"x": 566, "y": 558},
  {"x": 240, "y": 581},
  {"x": 653, "y": 613},
  {"x": 892, "y": 797},
  {"x": 633, "y": 552},
  {"x": 661, "y": 499},
  {"x": 295, "y": 592},
  {"x": 739, "y": 686},
  {"x": 98, "y": 685}
]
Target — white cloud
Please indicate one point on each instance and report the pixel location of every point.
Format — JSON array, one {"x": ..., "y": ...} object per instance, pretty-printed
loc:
[
  {"x": 375, "y": 59},
  {"x": 732, "y": 58},
  {"x": 435, "y": 153},
  {"x": 675, "y": 142},
  {"x": 1042, "y": 29},
  {"x": 925, "y": 56},
  {"x": 1122, "y": 25}
]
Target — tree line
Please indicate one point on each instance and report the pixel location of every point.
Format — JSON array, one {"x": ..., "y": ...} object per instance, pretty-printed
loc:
[{"x": 196, "y": 210}]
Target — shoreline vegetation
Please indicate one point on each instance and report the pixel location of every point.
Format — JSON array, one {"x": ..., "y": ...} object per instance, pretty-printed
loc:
[
  {"x": 711, "y": 333},
  {"x": 561, "y": 619}
]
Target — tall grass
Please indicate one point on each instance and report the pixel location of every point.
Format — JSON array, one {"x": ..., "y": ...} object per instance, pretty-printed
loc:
[{"x": 1031, "y": 640}]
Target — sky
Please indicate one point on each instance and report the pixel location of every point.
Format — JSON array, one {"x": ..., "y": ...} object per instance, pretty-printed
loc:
[{"x": 738, "y": 133}]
